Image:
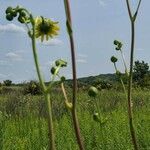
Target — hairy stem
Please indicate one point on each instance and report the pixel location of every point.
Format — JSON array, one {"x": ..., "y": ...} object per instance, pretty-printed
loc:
[
  {"x": 36, "y": 60},
  {"x": 73, "y": 111},
  {"x": 50, "y": 123},
  {"x": 47, "y": 95}
]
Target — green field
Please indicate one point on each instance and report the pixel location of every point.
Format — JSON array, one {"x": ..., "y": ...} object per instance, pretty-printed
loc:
[{"x": 23, "y": 123}]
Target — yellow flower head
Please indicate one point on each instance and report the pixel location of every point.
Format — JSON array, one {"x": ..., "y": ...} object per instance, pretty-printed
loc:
[{"x": 45, "y": 27}]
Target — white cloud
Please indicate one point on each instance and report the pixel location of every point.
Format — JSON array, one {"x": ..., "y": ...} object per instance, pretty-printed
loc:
[
  {"x": 11, "y": 28},
  {"x": 51, "y": 42},
  {"x": 81, "y": 61},
  {"x": 13, "y": 56},
  {"x": 82, "y": 55},
  {"x": 82, "y": 58}
]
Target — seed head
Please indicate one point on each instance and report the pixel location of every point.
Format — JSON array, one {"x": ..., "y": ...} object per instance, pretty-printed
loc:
[{"x": 92, "y": 91}]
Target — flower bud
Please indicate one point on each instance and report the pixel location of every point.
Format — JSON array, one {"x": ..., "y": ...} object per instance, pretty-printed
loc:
[
  {"x": 14, "y": 13},
  {"x": 68, "y": 105},
  {"x": 53, "y": 70},
  {"x": 92, "y": 91},
  {"x": 61, "y": 63},
  {"x": 63, "y": 79},
  {"x": 96, "y": 117},
  {"x": 57, "y": 62},
  {"x": 9, "y": 10},
  {"x": 113, "y": 59},
  {"x": 21, "y": 19},
  {"x": 117, "y": 48},
  {"x": 9, "y": 17},
  {"x": 22, "y": 13},
  {"x": 116, "y": 42}
]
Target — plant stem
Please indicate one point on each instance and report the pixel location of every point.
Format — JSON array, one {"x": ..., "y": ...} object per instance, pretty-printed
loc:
[
  {"x": 73, "y": 111},
  {"x": 123, "y": 85},
  {"x": 50, "y": 123},
  {"x": 124, "y": 62},
  {"x": 36, "y": 59},
  {"x": 47, "y": 95},
  {"x": 130, "y": 115}
]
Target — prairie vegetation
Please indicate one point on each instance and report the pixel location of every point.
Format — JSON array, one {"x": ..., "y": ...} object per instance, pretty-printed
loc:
[{"x": 23, "y": 123}]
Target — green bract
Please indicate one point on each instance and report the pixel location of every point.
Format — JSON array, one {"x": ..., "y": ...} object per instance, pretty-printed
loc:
[{"x": 92, "y": 91}]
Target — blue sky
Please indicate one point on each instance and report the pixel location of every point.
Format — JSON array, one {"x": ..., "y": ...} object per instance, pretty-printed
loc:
[{"x": 96, "y": 23}]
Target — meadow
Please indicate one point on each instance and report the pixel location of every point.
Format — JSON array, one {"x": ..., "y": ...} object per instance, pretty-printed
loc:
[
  {"x": 83, "y": 115},
  {"x": 23, "y": 122}
]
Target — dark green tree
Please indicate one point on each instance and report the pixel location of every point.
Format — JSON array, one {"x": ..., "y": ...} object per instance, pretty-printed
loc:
[
  {"x": 7, "y": 82},
  {"x": 140, "y": 72}
]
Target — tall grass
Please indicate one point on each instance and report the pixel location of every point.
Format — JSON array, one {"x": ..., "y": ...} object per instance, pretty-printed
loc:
[{"x": 20, "y": 132}]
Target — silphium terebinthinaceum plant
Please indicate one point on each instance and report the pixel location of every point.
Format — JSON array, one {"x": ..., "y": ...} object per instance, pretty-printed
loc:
[
  {"x": 40, "y": 27},
  {"x": 133, "y": 17}
]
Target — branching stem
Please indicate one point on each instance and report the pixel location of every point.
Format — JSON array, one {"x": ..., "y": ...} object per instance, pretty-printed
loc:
[{"x": 130, "y": 115}]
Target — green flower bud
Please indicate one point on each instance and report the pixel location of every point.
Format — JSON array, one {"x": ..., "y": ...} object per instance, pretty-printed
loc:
[
  {"x": 21, "y": 19},
  {"x": 96, "y": 117},
  {"x": 61, "y": 63},
  {"x": 9, "y": 10},
  {"x": 92, "y": 91},
  {"x": 63, "y": 79},
  {"x": 9, "y": 17},
  {"x": 117, "y": 48},
  {"x": 22, "y": 13},
  {"x": 57, "y": 62},
  {"x": 68, "y": 105},
  {"x": 14, "y": 13},
  {"x": 116, "y": 42},
  {"x": 113, "y": 59},
  {"x": 53, "y": 70}
]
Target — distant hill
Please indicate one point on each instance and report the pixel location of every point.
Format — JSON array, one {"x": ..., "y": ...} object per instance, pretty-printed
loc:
[
  {"x": 111, "y": 78},
  {"x": 88, "y": 80},
  {"x": 105, "y": 77}
]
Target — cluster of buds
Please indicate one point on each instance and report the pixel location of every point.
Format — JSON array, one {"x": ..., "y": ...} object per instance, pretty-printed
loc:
[
  {"x": 55, "y": 69},
  {"x": 11, "y": 13},
  {"x": 118, "y": 45}
]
